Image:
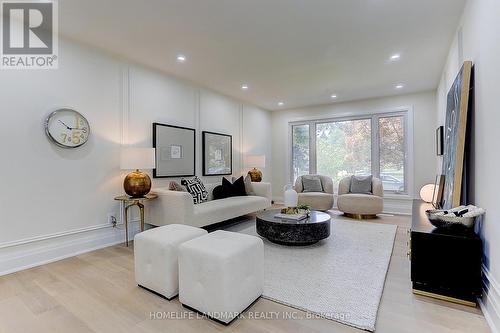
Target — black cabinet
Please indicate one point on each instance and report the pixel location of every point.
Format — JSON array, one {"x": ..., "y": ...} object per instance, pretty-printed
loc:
[{"x": 445, "y": 264}]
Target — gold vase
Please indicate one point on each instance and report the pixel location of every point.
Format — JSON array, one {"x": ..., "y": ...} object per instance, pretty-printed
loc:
[
  {"x": 137, "y": 184},
  {"x": 255, "y": 175}
]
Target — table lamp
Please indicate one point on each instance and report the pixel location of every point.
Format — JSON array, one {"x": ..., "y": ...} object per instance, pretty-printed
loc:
[
  {"x": 137, "y": 184},
  {"x": 254, "y": 162},
  {"x": 427, "y": 192}
]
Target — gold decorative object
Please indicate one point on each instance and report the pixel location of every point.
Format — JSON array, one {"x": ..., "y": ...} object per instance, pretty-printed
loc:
[
  {"x": 255, "y": 175},
  {"x": 137, "y": 184},
  {"x": 134, "y": 202},
  {"x": 361, "y": 216},
  {"x": 290, "y": 210},
  {"x": 255, "y": 161}
]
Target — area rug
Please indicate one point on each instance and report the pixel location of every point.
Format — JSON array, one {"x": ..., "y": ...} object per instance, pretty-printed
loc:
[{"x": 340, "y": 278}]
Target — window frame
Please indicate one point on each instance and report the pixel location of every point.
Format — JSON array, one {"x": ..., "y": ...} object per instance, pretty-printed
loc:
[
  {"x": 405, "y": 112},
  {"x": 292, "y": 171}
]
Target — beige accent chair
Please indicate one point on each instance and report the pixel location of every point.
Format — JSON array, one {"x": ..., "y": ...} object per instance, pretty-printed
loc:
[
  {"x": 317, "y": 200},
  {"x": 360, "y": 206}
]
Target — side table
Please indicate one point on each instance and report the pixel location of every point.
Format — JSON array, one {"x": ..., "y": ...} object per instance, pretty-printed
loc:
[{"x": 130, "y": 202}]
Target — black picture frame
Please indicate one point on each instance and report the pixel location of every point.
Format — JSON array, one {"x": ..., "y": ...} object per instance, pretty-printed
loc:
[
  {"x": 191, "y": 148},
  {"x": 439, "y": 140},
  {"x": 437, "y": 195},
  {"x": 206, "y": 169}
]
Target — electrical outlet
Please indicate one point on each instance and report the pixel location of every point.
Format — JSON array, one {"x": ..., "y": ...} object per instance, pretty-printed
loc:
[{"x": 112, "y": 219}]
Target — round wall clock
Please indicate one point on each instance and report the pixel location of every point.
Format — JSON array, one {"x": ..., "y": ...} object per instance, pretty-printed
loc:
[{"x": 67, "y": 128}]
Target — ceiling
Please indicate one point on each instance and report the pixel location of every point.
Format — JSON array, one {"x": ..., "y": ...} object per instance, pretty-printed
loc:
[{"x": 296, "y": 51}]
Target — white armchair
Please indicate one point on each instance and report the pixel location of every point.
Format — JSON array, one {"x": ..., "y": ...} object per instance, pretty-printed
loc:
[
  {"x": 357, "y": 205},
  {"x": 317, "y": 200}
]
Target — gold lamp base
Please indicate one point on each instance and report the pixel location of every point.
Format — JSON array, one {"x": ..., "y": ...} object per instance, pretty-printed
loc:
[
  {"x": 137, "y": 184},
  {"x": 255, "y": 175}
]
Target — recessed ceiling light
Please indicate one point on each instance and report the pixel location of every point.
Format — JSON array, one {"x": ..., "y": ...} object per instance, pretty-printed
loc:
[
  {"x": 244, "y": 87},
  {"x": 399, "y": 86},
  {"x": 333, "y": 96},
  {"x": 181, "y": 58},
  {"x": 395, "y": 57},
  {"x": 281, "y": 103}
]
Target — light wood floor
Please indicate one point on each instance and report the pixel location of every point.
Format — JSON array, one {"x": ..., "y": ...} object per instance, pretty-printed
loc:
[{"x": 96, "y": 292}]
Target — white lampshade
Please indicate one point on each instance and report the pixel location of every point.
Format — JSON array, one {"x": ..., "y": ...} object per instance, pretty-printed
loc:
[
  {"x": 427, "y": 192},
  {"x": 137, "y": 158},
  {"x": 255, "y": 161}
]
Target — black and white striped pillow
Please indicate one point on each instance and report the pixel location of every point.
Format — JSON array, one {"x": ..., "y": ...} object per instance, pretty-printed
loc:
[{"x": 196, "y": 188}]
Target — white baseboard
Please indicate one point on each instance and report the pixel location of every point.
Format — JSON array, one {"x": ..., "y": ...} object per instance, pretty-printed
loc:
[
  {"x": 31, "y": 252},
  {"x": 398, "y": 206},
  {"x": 490, "y": 302}
]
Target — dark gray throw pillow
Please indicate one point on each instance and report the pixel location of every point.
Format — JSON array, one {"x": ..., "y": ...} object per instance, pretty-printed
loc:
[
  {"x": 361, "y": 184},
  {"x": 311, "y": 184}
]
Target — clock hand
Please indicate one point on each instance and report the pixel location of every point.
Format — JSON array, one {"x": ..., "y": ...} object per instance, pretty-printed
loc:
[{"x": 65, "y": 125}]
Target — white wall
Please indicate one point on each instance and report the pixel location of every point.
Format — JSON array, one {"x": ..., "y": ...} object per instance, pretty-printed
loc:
[
  {"x": 256, "y": 137},
  {"x": 480, "y": 29},
  {"x": 55, "y": 201},
  {"x": 424, "y": 114}
]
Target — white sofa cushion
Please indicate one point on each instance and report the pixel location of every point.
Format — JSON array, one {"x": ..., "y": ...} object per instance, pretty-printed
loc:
[
  {"x": 155, "y": 257},
  {"x": 224, "y": 209},
  {"x": 317, "y": 200},
  {"x": 364, "y": 204},
  {"x": 221, "y": 274},
  {"x": 177, "y": 207}
]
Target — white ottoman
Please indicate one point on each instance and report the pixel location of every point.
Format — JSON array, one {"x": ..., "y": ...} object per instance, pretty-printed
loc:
[
  {"x": 155, "y": 257},
  {"x": 221, "y": 274}
]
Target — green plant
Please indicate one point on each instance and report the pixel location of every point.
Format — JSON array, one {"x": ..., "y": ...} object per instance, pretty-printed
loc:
[{"x": 305, "y": 207}]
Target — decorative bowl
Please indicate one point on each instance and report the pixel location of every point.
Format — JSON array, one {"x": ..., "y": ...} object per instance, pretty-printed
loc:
[
  {"x": 290, "y": 210},
  {"x": 441, "y": 221}
]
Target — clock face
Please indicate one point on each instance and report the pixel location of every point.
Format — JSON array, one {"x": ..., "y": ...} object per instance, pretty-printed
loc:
[{"x": 67, "y": 128}]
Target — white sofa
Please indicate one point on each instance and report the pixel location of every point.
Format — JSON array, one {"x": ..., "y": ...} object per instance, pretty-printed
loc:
[{"x": 178, "y": 207}]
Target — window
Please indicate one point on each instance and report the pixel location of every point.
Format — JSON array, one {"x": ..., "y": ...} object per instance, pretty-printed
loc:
[
  {"x": 373, "y": 144},
  {"x": 343, "y": 148},
  {"x": 392, "y": 153},
  {"x": 300, "y": 150}
]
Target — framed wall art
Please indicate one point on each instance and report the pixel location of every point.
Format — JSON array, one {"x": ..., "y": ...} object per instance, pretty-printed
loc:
[
  {"x": 455, "y": 136},
  {"x": 217, "y": 154},
  {"x": 175, "y": 151},
  {"x": 439, "y": 140},
  {"x": 437, "y": 195}
]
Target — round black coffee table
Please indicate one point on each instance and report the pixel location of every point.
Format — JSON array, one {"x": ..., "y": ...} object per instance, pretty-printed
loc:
[{"x": 291, "y": 232}]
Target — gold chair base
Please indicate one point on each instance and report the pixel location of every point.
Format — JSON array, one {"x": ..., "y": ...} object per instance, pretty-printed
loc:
[
  {"x": 444, "y": 298},
  {"x": 361, "y": 216}
]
